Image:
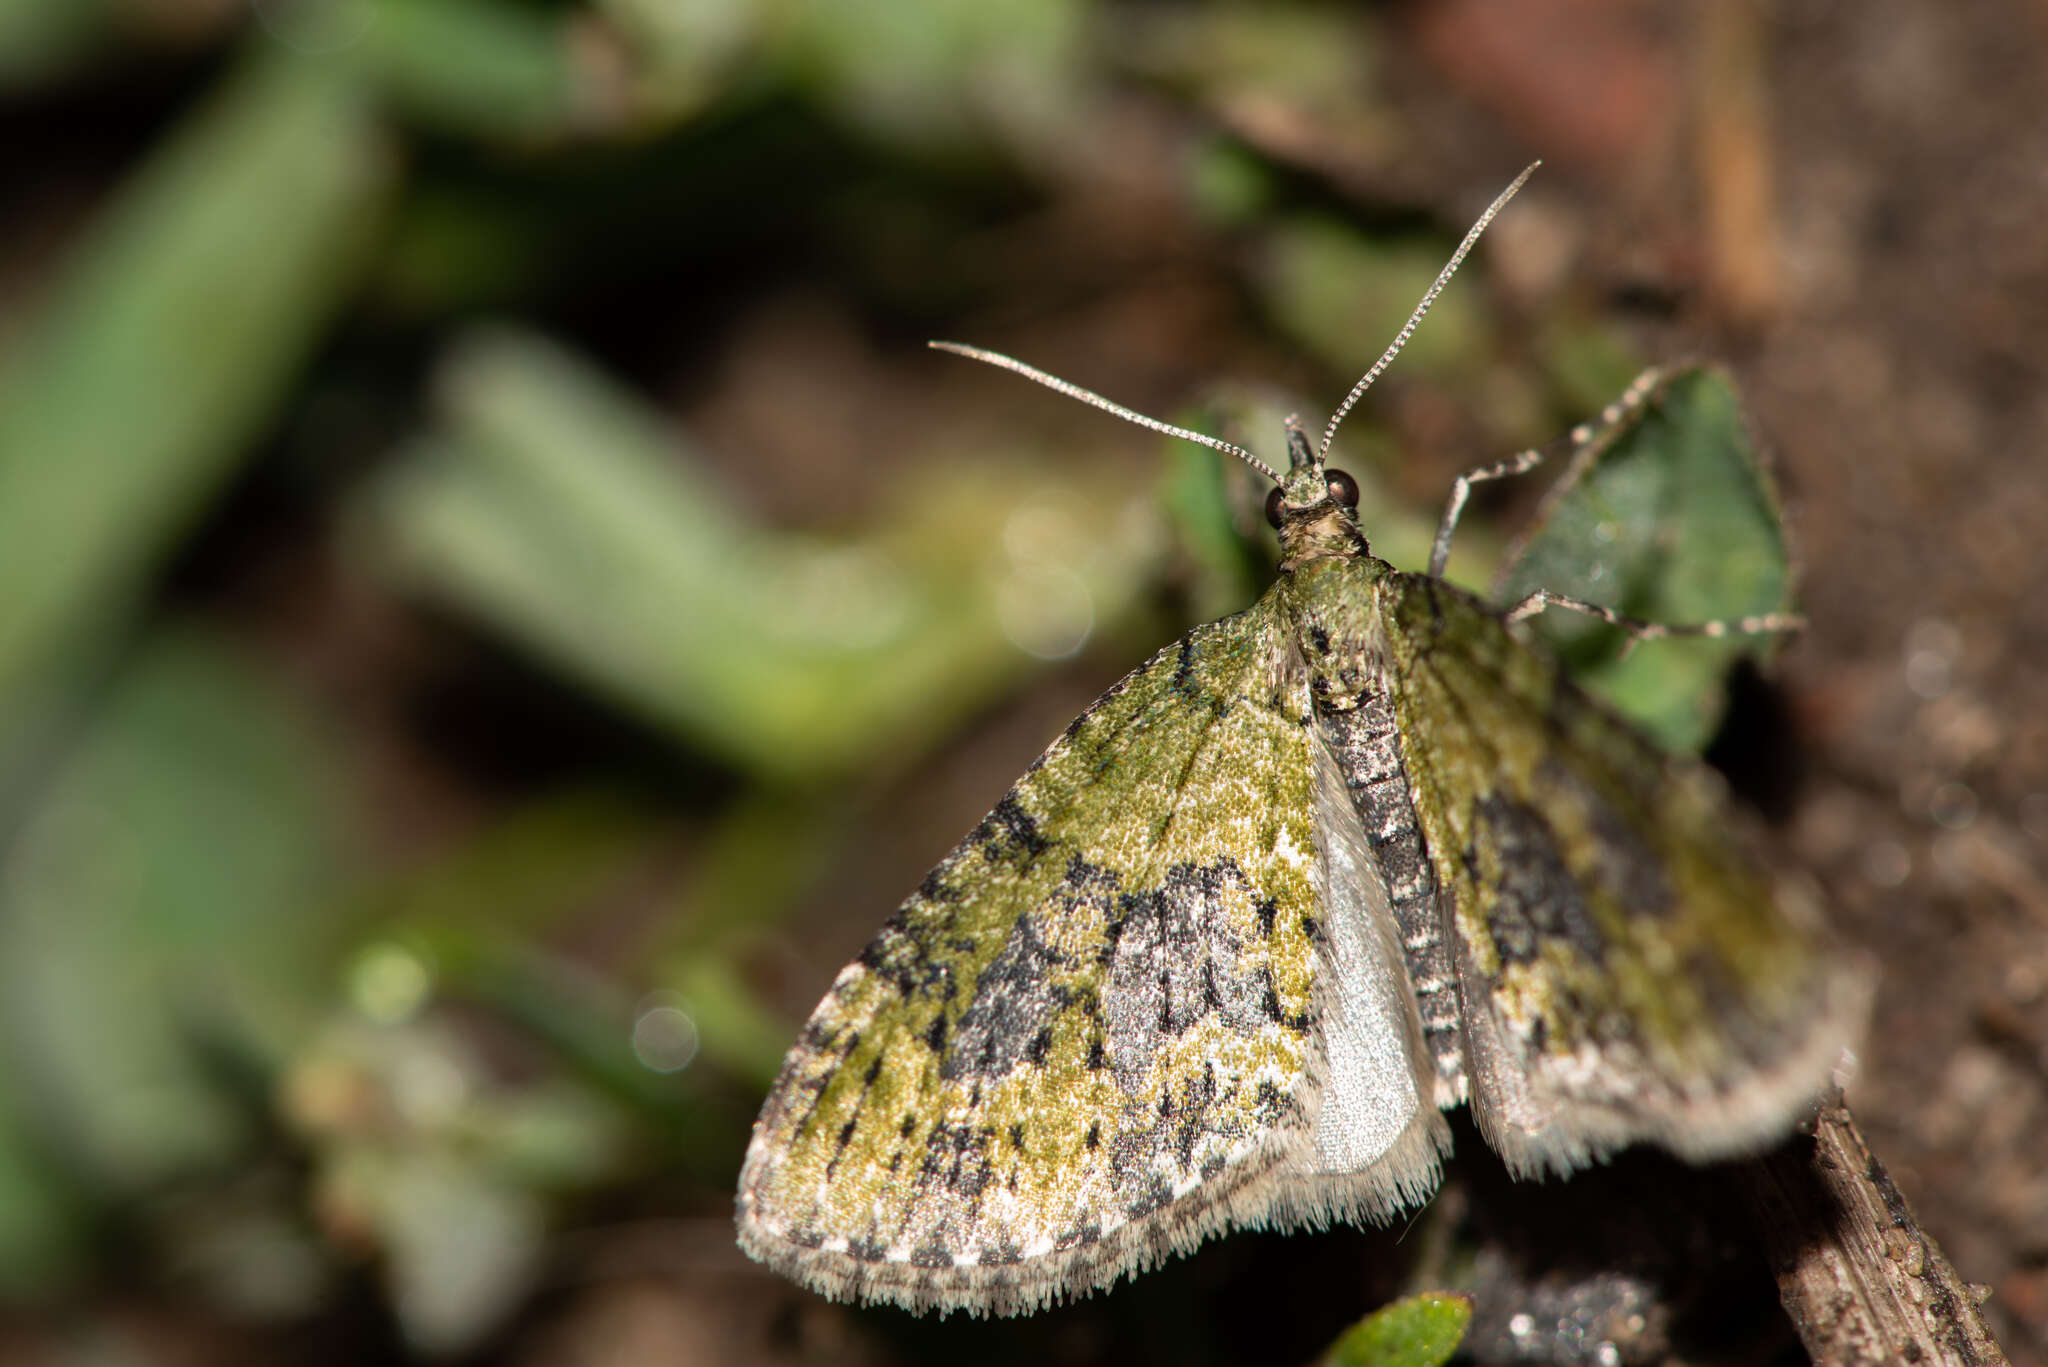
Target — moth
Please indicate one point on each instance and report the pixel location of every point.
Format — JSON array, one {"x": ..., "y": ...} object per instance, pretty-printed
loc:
[{"x": 1299, "y": 882}]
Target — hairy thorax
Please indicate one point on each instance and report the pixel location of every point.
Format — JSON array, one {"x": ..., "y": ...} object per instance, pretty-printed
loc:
[{"x": 1339, "y": 626}]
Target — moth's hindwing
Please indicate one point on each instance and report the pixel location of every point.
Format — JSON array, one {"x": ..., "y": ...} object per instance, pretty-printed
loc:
[
  {"x": 1101, "y": 1027},
  {"x": 1628, "y": 969}
]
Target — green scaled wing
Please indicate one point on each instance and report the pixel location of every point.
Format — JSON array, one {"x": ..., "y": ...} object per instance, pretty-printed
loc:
[
  {"x": 1095, "y": 1033},
  {"x": 1628, "y": 969}
]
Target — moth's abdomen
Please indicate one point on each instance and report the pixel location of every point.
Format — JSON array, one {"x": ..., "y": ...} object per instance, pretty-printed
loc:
[{"x": 1367, "y": 746}]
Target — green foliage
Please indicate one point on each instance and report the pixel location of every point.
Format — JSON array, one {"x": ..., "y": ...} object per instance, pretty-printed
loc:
[
  {"x": 1345, "y": 294},
  {"x": 164, "y": 344},
  {"x": 1667, "y": 514},
  {"x": 1421, "y": 1331},
  {"x": 466, "y": 66},
  {"x": 547, "y": 490},
  {"x": 157, "y": 926}
]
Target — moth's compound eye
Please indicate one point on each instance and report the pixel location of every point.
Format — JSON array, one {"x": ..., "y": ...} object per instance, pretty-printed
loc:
[{"x": 1273, "y": 508}]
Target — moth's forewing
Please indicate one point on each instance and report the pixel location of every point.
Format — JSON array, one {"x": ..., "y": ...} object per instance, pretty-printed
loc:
[
  {"x": 1629, "y": 968},
  {"x": 1098, "y": 1030}
]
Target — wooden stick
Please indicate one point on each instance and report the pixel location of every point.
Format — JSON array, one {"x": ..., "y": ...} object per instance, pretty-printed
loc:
[{"x": 1861, "y": 1280}]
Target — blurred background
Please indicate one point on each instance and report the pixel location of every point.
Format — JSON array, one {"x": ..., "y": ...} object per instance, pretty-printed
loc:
[{"x": 497, "y": 603}]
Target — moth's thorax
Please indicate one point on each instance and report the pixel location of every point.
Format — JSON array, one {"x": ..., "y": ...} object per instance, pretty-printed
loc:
[
  {"x": 1339, "y": 625},
  {"x": 1327, "y": 531}
]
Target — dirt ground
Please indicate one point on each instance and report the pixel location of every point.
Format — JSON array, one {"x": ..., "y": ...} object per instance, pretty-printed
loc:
[{"x": 1898, "y": 378}]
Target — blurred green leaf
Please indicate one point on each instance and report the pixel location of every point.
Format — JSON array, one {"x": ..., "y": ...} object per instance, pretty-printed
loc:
[
  {"x": 474, "y": 926},
  {"x": 165, "y": 343},
  {"x": 1228, "y": 186},
  {"x": 585, "y": 1019},
  {"x": 739, "y": 1035},
  {"x": 766, "y": 848},
  {"x": 1421, "y": 1331},
  {"x": 38, "y": 37},
  {"x": 1667, "y": 514},
  {"x": 43, "y": 1216},
  {"x": 426, "y": 1152},
  {"x": 1587, "y": 362},
  {"x": 244, "y": 1244},
  {"x": 462, "y": 1249},
  {"x": 552, "y": 505},
  {"x": 519, "y": 876},
  {"x": 490, "y": 70},
  {"x": 1345, "y": 295},
  {"x": 685, "y": 54},
  {"x": 1306, "y": 67},
  {"x": 160, "y": 914},
  {"x": 460, "y": 1246},
  {"x": 1315, "y": 53},
  {"x": 932, "y": 74},
  {"x": 1213, "y": 507}
]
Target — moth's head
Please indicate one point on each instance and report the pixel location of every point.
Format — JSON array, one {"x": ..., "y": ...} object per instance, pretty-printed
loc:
[
  {"x": 1310, "y": 506},
  {"x": 1313, "y": 507}
]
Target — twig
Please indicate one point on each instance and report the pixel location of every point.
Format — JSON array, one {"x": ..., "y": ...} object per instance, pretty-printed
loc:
[{"x": 1861, "y": 1280}]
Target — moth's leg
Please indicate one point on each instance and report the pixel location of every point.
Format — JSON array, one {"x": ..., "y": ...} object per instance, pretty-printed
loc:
[
  {"x": 1639, "y": 630},
  {"x": 1440, "y": 551}
]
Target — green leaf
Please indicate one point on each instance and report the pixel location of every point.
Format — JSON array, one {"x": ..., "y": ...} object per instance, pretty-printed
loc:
[
  {"x": 162, "y": 346},
  {"x": 43, "y": 1220},
  {"x": 1342, "y": 294},
  {"x": 933, "y": 74},
  {"x": 42, "y": 39},
  {"x": 1421, "y": 1331},
  {"x": 1208, "y": 501},
  {"x": 461, "y": 1244},
  {"x": 160, "y": 914},
  {"x": 482, "y": 69},
  {"x": 1666, "y": 513},
  {"x": 557, "y": 508}
]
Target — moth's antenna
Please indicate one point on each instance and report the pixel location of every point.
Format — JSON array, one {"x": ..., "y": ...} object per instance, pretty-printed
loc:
[
  {"x": 1428, "y": 298},
  {"x": 1089, "y": 396}
]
